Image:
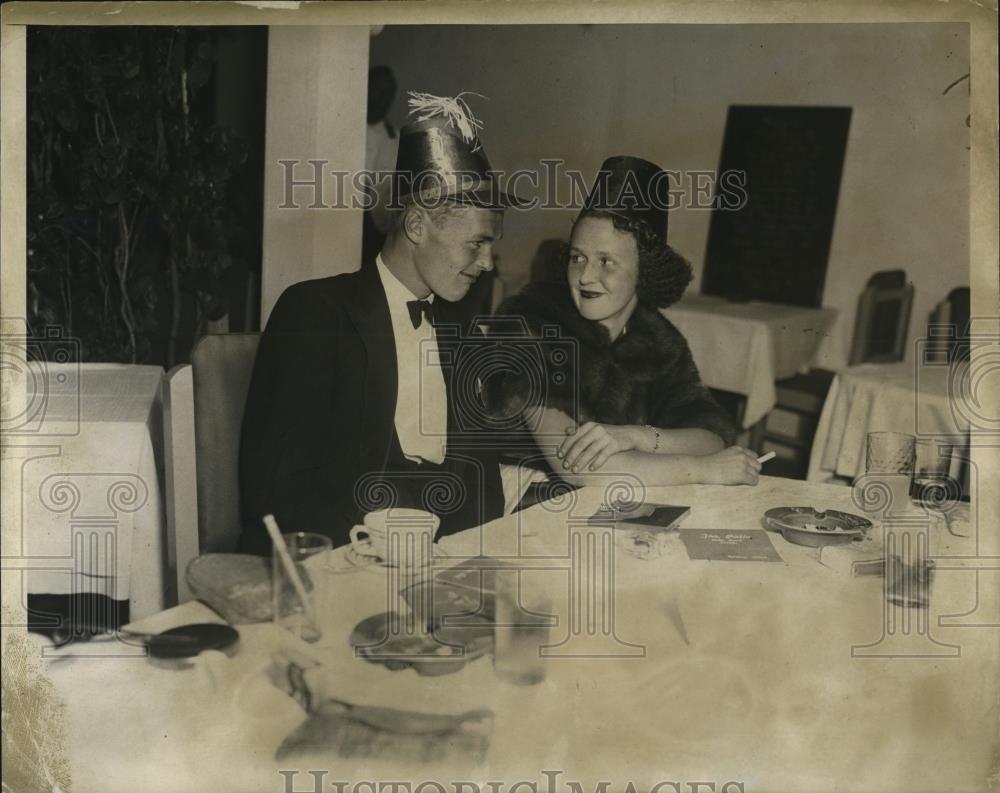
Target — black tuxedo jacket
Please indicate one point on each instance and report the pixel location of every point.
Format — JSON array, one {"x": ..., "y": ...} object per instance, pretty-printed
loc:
[{"x": 320, "y": 413}]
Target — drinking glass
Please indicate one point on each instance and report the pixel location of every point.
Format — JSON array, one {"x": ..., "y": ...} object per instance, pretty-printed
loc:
[
  {"x": 909, "y": 574},
  {"x": 889, "y": 457},
  {"x": 521, "y": 627},
  {"x": 889, "y": 453},
  {"x": 310, "y": 556},
  {"x": 931, "y": 470}
]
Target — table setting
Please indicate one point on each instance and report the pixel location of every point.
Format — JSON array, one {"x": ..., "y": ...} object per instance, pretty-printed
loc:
[{"x": 689, "y": 632}]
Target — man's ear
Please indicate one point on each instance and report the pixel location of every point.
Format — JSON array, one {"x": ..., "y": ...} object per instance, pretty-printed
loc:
[{"x": 414, "y": 225}]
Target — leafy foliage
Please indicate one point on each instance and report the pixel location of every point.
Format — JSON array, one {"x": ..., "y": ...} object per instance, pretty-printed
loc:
[{"x": 128, "y": 185}]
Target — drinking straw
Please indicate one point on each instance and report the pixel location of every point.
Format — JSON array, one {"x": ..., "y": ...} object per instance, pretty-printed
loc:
[{"x": 286, "y": 559}]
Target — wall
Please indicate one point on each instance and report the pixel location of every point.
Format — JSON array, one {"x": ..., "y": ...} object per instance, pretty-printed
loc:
[
  {"x": 583, "y": 92},
  {"x": 316, "y": 97}
]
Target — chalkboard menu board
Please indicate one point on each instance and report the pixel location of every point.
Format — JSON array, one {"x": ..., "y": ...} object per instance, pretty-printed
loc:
[{"x": 774, "y": 245}]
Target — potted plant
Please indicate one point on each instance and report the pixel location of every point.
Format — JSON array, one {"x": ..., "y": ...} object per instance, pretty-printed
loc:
[{"x": 128, "y": 187}]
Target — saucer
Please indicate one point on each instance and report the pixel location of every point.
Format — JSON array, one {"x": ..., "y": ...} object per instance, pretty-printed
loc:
[{"x": 369, "y": 561}]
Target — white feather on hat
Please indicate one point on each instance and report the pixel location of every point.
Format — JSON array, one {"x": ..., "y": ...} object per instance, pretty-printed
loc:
[{"x": 455, "y": 109}]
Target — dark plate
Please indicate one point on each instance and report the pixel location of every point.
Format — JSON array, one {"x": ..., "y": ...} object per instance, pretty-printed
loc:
[{"x": 187, "y": 641}]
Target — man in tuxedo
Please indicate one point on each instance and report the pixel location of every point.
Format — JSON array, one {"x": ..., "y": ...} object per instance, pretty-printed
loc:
[{"x": 358, "y": 400}]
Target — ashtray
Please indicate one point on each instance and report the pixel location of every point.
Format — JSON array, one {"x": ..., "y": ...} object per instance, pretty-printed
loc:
[{"x": 808, "y": 526}]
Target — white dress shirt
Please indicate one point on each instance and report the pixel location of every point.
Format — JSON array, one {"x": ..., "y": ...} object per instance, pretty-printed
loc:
[{"x": 421, "y": 401}]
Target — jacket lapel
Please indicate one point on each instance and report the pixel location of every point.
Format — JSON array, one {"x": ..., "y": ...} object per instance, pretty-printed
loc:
[
  {"x": 451, "y": 329},
  {"x": 369, "y": 311}
]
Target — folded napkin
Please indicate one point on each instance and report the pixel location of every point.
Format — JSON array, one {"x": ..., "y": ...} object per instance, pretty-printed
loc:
[{"x": 341, "y": 728}]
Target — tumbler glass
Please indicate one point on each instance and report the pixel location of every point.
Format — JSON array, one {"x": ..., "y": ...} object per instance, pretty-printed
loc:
[
  {"x": 522, "y": 627},
  {"x": 889, "y": 456},
  {"x": 310, "y": 558},
  {"x": 909, "y": 574},
  {"x": 931, "y": 470}
]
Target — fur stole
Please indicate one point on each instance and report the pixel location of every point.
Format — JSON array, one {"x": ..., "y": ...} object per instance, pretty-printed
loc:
[{"x": 645, "y": 376}]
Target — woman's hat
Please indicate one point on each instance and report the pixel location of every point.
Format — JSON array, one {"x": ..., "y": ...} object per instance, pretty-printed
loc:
[
  {"x": 440, "y": 156},
  {"x": 634, "y": 189}
]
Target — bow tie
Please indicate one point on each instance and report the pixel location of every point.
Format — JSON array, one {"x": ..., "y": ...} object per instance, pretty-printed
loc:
[{"x": 418, "y": 310}]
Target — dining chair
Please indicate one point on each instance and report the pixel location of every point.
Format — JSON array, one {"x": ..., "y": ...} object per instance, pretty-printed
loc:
[
  {"x": 880, "y": 331},
  {"x": 203, "y": 404},
  {"x": 880, "y": 326},
  {"x": 948, "y": 328},
  {"x": 203, "y": 412}
]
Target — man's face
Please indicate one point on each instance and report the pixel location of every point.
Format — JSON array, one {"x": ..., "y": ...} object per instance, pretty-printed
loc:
[{"x": 456, "y": 248}]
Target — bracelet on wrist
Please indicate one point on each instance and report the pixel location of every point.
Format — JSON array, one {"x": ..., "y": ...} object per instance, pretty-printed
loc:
[{"x": 656, "y": 437}]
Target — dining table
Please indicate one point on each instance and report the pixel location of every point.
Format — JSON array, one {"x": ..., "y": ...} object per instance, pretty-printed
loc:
[
  {"x": 744, "y": 347},
  {"x": 90, "y": 518},
  {"x": 923, "y": 399},
  {"x": 790, "y": 672}
]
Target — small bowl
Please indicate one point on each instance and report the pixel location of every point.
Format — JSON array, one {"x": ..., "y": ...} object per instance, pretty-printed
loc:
[{"x": 812, "y": 528}]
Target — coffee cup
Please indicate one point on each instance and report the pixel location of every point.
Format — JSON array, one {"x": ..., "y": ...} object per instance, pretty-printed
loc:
[{"x": 384, "y": 532}]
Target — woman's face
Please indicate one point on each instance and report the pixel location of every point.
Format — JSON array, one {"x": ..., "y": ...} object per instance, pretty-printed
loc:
[{"x": 603, "y": 272}]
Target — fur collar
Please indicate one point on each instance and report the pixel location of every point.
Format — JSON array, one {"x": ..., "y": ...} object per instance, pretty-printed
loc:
[
  {"x": 615, "y": 377},
  {"x": 648, "y": 345}
]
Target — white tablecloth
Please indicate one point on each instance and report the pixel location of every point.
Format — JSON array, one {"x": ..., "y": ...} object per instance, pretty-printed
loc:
[
  {"x": 91, "y": 514},
  {"x": 745, "y": 347},
  {"x": 764, "y": 690},
  {"x": 898, "y": 397}
]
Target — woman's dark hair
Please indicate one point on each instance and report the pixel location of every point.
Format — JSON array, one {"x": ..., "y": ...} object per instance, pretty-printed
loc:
[{"x": 663, "y": 273}]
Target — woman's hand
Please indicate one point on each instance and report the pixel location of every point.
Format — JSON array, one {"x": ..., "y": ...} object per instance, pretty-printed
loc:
[
  {"x": 589, "y": 446},
  {"x": 732, "y": 466}
]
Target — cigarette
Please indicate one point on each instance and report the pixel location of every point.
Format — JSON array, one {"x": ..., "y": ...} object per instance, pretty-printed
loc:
[{"x": 765, "y": 457}]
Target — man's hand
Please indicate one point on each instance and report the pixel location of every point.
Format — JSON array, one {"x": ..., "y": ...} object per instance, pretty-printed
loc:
[
  {"x": 589, "y": 446},
  {"x": 732, "y": 466}
]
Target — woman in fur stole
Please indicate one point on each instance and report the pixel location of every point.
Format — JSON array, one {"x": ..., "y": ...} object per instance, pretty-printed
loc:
[{"x": 621, "y": 392}]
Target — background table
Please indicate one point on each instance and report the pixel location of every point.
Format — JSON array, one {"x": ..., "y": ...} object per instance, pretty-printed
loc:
[
  {"x": 91, "y": 512},
  {"x": 898, "y": 397},
  {"x": 765, "y": 689},
  {"x": 745, "y": 347}
]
